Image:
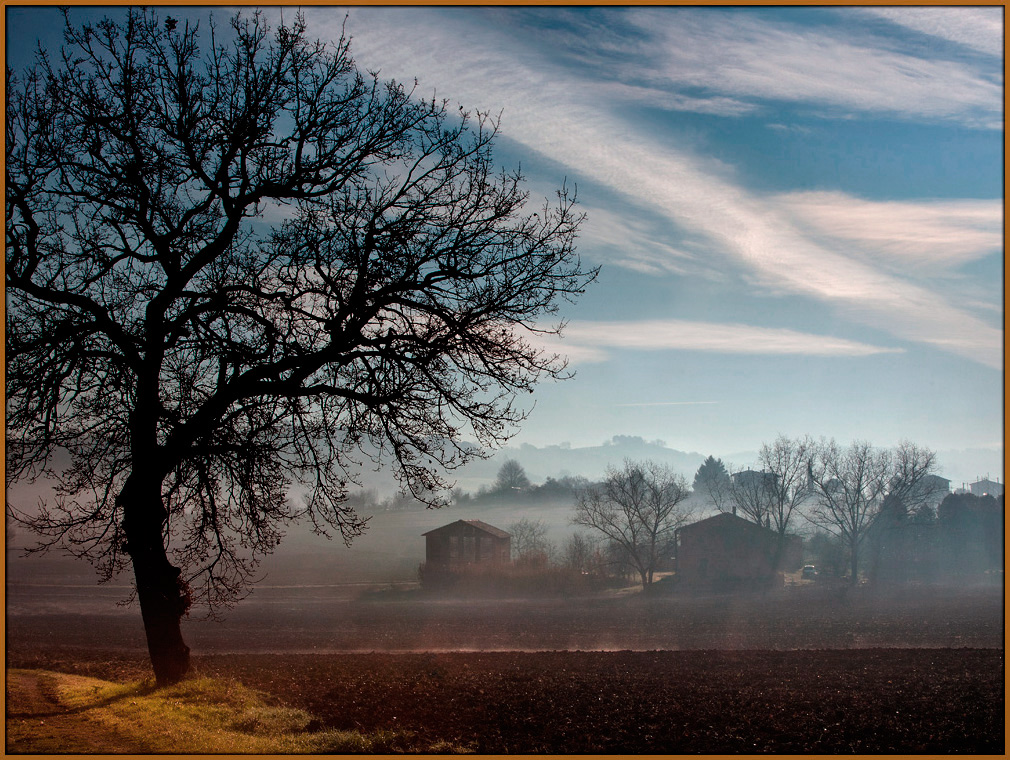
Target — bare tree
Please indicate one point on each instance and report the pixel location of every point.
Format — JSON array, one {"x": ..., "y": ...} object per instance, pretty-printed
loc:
[
  {"x": 852, "y": 484},
  {"x": 787, "y": 460},
  {"x": 581, "y": 552},
  {"x": 751, "y": 495},
  {"x": 909, "y": 488},
  {"x": 771, "y": 495},
  {"x": 229, "y": 271},
  {"x": 529, "y": 541},
  {"x": 638, "y": 507}
]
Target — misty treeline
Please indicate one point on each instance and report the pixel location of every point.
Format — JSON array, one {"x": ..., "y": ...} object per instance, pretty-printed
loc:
[
  {"x": 860, "y": 508},
  {"x": 847, "y": 498},
  {"x": 585, "y": 552},
  {"x": 631, "y": 515},
  {"x": 511, "y": 486}
]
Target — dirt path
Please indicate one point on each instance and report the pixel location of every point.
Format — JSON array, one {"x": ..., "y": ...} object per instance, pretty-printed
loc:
[{"x": 37, "y": 723}]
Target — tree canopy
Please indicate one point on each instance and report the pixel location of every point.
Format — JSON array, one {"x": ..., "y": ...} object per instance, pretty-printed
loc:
[
  {"x": 850, "y": 486},
  {"x": 233, "y": 266},
  {"x": 712, "y": 482},
  {"x": 511, "y": 478}
]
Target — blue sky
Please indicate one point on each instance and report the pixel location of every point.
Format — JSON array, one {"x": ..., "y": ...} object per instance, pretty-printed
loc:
[{"x": 798, "y": 211}]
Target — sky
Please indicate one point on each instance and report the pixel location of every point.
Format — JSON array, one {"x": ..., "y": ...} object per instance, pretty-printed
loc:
[{"x": 798, "y": 212}]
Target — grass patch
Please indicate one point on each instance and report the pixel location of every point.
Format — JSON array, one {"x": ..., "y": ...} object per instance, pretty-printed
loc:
[{"x": 201, "y": 715}]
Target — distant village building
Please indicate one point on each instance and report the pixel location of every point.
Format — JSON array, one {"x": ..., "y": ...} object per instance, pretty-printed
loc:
[
  {"x": 728, "y": 552},
  {"x": 986, "y": 487},
  {"x": 754, "y": 479},
  {"x": 466, "y": 542},
  {"x": 935, "y": 489}
]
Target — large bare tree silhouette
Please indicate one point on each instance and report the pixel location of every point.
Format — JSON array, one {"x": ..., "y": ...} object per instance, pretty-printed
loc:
[{"x": 229, "y": 271}]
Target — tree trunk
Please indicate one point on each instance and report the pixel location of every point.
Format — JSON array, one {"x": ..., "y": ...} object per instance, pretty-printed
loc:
[
  {"x": 645, "y": 579},
  {"x": 854, "y": 565},
  {"x": 163, "y": 601},
  {"x": 163, "y": 595}
]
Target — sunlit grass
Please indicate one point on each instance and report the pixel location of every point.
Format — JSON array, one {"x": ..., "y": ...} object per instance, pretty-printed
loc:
[{"x": 205, "y": 715}]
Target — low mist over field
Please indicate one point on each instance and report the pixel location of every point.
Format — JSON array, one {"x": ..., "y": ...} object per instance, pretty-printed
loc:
[{"x": 392, "y": 547}]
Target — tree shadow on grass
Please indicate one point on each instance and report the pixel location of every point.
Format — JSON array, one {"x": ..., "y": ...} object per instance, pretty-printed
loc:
[{"x": 39, "y": 691}]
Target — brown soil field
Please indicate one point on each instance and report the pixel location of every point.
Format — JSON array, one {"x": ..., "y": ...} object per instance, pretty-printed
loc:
[
  {"x": 866, "y": 701},
  {"x": 801, "y": 671},
  {"x": 869, "y": 701},
  {"x": 308, "y": 619}
]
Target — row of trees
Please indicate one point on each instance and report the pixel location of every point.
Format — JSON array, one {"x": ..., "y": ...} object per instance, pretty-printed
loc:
[
  {"x": 840, "y": 489},
  {"x": 638, "y": 507},
  {"x": 511, "y": 486}
]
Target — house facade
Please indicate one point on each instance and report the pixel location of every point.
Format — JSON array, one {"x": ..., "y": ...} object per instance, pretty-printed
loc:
[
  {"x": 935, "y": 489},
  {"x": 986, "y": 487},
  {"x": 466, "y": 542},
  {"x": 756, "y": 480},
  {"x": 727, "y": 552}
]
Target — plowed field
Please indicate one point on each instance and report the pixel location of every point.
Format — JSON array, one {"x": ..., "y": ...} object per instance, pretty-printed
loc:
[
  {"x": 800, "y": 671},
  {"x": 816, "y": 701}
]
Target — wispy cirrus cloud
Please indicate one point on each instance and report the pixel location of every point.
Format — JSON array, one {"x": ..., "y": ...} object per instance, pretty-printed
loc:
[
  {"x": 589, "y": 340},
  {"x": 633, "y": 242},
  {"x": 940, "y": 234},
  {"x": 754, "y": 60},
  {"x": 716, "y": 105},
  {"x": 779, "y": 246},
  {"x": 977, "y": 28}
]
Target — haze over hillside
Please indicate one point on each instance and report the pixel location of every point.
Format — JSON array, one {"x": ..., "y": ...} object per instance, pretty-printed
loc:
[{"x": 562, "y": 459}]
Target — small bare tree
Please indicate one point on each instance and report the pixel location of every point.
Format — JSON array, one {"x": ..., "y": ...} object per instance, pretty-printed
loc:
[
  {"x": 581, "y": 552},
  {"x": 909, "y": 487},
  {"x": 787, "y": 460},
  {"x": 771, "y": 495},
  {"x": 638, "y": 508},
  {"x": 751, "y": 496},
  {"x": 529, "y": 541},
  {"x": 236, "y": 268}
]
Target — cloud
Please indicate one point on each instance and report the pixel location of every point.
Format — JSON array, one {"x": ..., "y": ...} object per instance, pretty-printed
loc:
[
  {"x": 670, "y": 403},
  {"x": 980, "y": 29},
  {"x": 794, "y": 129},
  {"x": 767, "y": 240},
  {"x": 633, "y": 242},
  {"x": 745, "y": 57},
  {"x": 776, "y": 255},
  {"x": 682, "y": 335},
  {"x": 936, "y": 233},
  {"x": 715, "y": 105}
]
